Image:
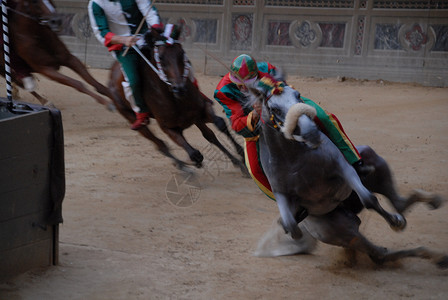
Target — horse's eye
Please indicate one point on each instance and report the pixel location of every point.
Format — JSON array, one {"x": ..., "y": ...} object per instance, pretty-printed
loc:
[{"x": 276, "y": 111}]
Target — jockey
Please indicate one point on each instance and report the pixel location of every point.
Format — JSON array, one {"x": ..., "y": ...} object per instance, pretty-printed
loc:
[
  {"x": 114, "y": 23},
  {"x": 245, "y": 120}
]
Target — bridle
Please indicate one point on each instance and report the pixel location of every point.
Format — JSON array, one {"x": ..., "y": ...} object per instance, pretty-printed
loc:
[
  {"x": 273, "y": 87},
  {"x": 274, "y": 121},
  {"x": 39, "y": 19},
  {"x": 158, "y": 69}
]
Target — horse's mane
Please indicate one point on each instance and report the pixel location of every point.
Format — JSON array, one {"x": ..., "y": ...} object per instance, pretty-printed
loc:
[
  {"x": 172, "y": 33},
  {"x": 256, "y": 93}
]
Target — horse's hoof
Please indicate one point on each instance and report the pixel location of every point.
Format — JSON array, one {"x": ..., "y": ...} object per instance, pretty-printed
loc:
[
  {"x": 296, "y": 234},
  {"x": 111, "y": 107},
  {"x": 49, "y": 104},
  {"x": 242, "y": 167},
  {"x": 399, "y": 222},
  {"x": 443, "y": 262},
  {"x": 197, "y": 158},
  {"x": 377, "y": 260},
  {"x": 183, "y": 167},
  {"x": 436, "y": 202}
]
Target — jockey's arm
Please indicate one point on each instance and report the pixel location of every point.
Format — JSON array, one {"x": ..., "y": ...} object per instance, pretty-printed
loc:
[
  {"x": 151, "y": 13},
  {"x": 128, "y": 41},
  {"x": 243, "y": 123}
]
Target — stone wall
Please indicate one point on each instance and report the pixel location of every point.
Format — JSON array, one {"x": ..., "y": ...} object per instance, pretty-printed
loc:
[{"x": 401, "y": 40}]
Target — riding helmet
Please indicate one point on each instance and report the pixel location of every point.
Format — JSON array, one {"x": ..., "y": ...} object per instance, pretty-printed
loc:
[{"x": 244, "y": 69}]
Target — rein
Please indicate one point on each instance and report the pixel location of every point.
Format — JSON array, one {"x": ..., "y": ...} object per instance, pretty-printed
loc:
[
  {"x": 161, "y": 75},
  {"x": 39, "y": 20}
]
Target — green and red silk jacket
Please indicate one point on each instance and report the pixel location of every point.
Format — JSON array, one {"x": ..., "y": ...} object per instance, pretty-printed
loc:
[
  {"x": 120, "y": 17},
  {"x": 232, "y": 100}
]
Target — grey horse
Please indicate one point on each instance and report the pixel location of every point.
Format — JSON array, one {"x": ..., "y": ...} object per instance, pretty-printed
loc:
[{"x": 317, "y": 191}]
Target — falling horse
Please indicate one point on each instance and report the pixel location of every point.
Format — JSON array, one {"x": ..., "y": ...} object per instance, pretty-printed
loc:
[
  {"x": 174, "y": 100},
  {"x": 318, "y": 193},
  {"x": 38, "y": 49}
]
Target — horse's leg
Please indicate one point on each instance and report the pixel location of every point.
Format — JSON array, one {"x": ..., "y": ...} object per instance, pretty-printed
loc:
[
  {"x": 76, "y": 65},
  {"x": 220, "y": 123},
  {"x": 211, "y": 137},
  {"x": 275, "y": 242},
  {"x": 381, "y": 181},
  {"x": 287, "y": 214},
  {"x": 65, "y": 80},
  {"x": 341, "y": 228},
  {"x": 42, "y": 100},
  {"x": 177, "y": 136},
  {"x": 163, "y": 148},
  {"x": 126, "y": 111},
  {"x": 396, "y": 221}
]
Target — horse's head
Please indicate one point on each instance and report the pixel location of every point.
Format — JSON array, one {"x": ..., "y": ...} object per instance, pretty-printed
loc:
[
  {"x": 42, "y": 11},
  {"x": 170, "y": 58},
  {"x": 283, "y": 109}
]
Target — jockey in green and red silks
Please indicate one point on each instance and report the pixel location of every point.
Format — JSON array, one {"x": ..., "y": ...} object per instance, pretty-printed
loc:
[
  {"x": 114, "y": 23},
  {"x": 245, "y": 120}
]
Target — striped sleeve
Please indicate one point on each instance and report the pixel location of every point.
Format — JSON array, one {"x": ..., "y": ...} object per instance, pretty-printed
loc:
[
  {"x": 152, "y": 17},
  {"x": 229, "y": 98},
  {"x": 100, "y": 26}
]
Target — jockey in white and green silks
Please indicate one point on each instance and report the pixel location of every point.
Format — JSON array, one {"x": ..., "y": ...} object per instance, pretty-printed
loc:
[{"x": 114, "y": 23}]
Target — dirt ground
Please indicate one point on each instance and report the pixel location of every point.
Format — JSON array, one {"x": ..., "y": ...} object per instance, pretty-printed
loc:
[{"x": 135, "y": 228}]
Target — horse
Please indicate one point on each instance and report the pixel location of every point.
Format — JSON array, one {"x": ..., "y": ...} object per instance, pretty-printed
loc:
[
  {"x": 37, "y": 49},
  {"x": 318, "y": 193},
  {"x": 173, "y": 98}
]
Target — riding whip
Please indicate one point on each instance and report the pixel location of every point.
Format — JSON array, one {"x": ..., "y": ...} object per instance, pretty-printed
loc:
[
  {"x": 139, "y": 26},
  {"x": 6, "y": 51},
  {"x": 218, "y": 60}
]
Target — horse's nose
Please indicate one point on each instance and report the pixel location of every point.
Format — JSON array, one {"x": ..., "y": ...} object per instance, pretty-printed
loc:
[
  {"x": 55, "y": 24},
  {"x": 179, "y": 90}
]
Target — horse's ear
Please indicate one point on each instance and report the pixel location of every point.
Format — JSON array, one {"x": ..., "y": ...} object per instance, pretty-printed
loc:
[
  {"x": 151, "y": 36},
  {"x": 177, "y": 30},
  {"x": 280, "y": 74}
]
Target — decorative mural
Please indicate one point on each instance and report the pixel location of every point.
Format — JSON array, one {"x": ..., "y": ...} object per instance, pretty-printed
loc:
[
  {"x": 386, "y": 37},
  {"x": 412, "y": 37},
  {"x": 278, "y": 34},
  {"x": 206, "y": 30},
  {"x": 244, "y": 2},
  {"x": 198, "y": 2},
  {"x": 312, "y": 3},
  {"x": 81, "y": 26},
  {"x": 347, "y": 29},
  {"x": 410, "y": 4},
  {"x": 305, "y": 34},
  {"x": 360, "y": 34},
  {"x": 332, "y": 35},
  {"x": 416, "y": 38},
  {"x": 441, "y": 40},
  {"x": 241, "y": 38}
]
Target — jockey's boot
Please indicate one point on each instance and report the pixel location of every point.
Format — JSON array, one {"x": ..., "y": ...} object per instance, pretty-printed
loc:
[
  {"x": 362, "y": 169},
  {"x": 142, "y": 120}
]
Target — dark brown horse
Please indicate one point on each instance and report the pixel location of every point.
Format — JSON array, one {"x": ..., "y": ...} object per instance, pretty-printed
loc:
[
  {"x": 36, "y": 48},
  {"x": 173, "y": 99}
]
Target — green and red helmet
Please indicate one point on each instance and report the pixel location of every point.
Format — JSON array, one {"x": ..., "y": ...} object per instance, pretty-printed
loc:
[{"x": 244, "y": 69}]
